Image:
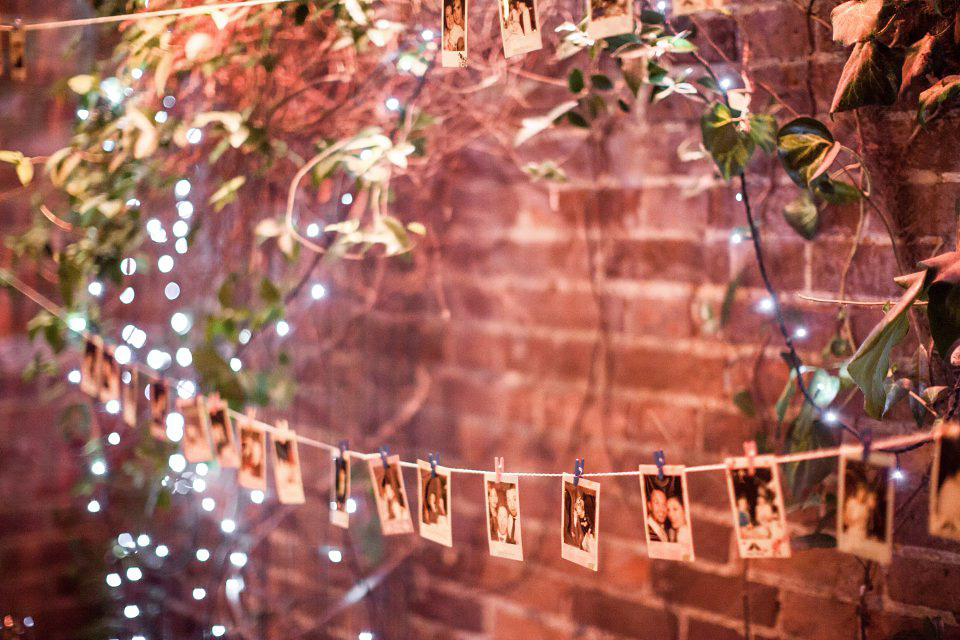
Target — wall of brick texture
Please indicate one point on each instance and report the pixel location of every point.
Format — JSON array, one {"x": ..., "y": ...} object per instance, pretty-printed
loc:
[{"x": 544, "y": 323}]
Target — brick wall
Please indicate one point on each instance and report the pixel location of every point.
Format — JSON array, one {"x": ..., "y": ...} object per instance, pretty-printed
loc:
[{"x": 550, "y": 323}]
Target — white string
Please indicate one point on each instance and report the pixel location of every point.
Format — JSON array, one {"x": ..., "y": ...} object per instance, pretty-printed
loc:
[
  {"x": 142, "y": 15},
  {"x": 817, "y": 454}
]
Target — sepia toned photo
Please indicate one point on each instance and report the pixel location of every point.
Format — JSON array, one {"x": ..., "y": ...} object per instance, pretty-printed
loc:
[
  {"x": 286, "y": 468},
  {"x": 159, "y": 407},
  {"x": 453, "y": 43},
  {"x": 109, "y": 375},
  {"x": 759, "y": 517},
  {"x": 196, "y": 430},
  {"x": 130, "y": 393},
  {"x": 945, "y": 483},
  {"x": 90, "y": 366},
  {"x": 581, "y": 520},
  {"x": 865, "y": 506},
  {"x": 434, "y": 491},
  {"x": 391, "y": 496},
  {"x": 253, "y": 456},
  {"x": 609, "y": 18},
  {"x": 686, "y": 7},
  {"x": 519, "y": 26},
  {"x": 666, "y": 512},
  {"x": 339, "y": 515},
  {"x": 503, "y": 515},
  {"x": 221, "y": 432}
]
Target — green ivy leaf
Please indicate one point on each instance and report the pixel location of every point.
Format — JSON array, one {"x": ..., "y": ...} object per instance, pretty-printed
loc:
[
  {"x": 802, "y": 215},
  {"x": 808, "y": 434},
  {"x": 870, "y": 363},
  {"x": 763, "y": 131},
  {"x": 871, "y": 76},
  {"x": 577, "y": 120},
  {"x": 575, "y": 81},
  {"x": 215, "y": 373},
  {"x": 601, "y": 82},
  {"x": 834, "y": 191},
  {"x": 917, "y": 60},
  {"x": 855, "y": 20},
  {"x": 227, "y": 192},
  {"x": 945, "y": 90},
  {"x": 943, "y": 310},
  {"x": 743, "y": 400},
  {"x": 730, "y": 147},
  {"x": 803, "y": 145}
]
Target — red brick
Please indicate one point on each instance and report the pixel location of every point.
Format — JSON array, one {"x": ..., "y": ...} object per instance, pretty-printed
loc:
[
  {"x": 681, "y": 584},
  {"x": 623, "y": 617}
]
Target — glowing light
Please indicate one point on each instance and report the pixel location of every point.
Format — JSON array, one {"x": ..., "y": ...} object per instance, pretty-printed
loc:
[
  {"x": 160, "y": 117},
  {"x": 134, "y": 574},
  {"x": 228, "y": 526},
  {"x": 185, "y": 209},
  {"x": 181, "y": 228},
  {"x": 131, "y": 611},
  {"x": 404, "y": 64},
  {"x": 169, "y": 101},
  {"x": 351, "y": 505},
  {"x": 158, "y": 360},
  {"x": 165, "y": 264},
  {"x": 122, "y": 354},
  {"x": 93, "y": 506},
  {"x": 98, "y": 467},
  {"x": 335, "y": 556},
  {"x": 726, "y": 83},
  {"x": 137, "y": 73},
  {"x": 218, "y": 630},
  {"x": 736, "y": 237},
  {"x": 143, "y": 540},
  {"x": 113, "y": 438},
  {"x": 95, "y": 288},
  {"x": 662, "y": 5},
  {"x": 138, "y": 637},
  {"x": 235, "y": 364},
  {"x": 74, "y": 376},
  {"x": 208, "y": 504},
  {"x": 77, "y": 323},
  {"x": 283, "y": 328},
  {"x": 83, "y": 114},
  {"x": 765, "y": 305},
  {"x": 201, "y": 469},
  {"x": 427, "y": 35},
  {"x": 181, "y": 246},
  {"x": 199, "y": 485},
  {"x": 127, "y": 295},
  {"x": 800, "y": 332},
  {"x": 392, "y": 104},
  {"x": 28, "y": 621},
  {"x": 174, "y": 426},
  {"x": 180, "y": 322},
  {"x": 182, "y": 188},
  {"x": 238, "y": 559},
  {"x": 186, "y": 389},
  {"x": 199, "y": 593},
  {"x": 177, "y": 462},
  {"x": 125, "y": 540},
  {"x": 133, "y": 202},
  {"x": 162, "y": 551},
  {"x": 244, "y": 336},
  {"x": 184, "y": 357},
  {"x": 109, "y": 145},
  {"x": 347, "y": 198},
  {"x": 234, "y": 586},
  {"x": 313, "y": 230},
  {"x": 203, "y": 555},
  {"x": 368, "y": 635},
  {"x": 898, "y": 474},
  {"x": 128, "y": 266},
  {"x": 318, "y": 291},
  {"x": 134, "y": 336},
  {"x": 112, "y": 407},
  {"x": 257, "y": 496},
  {"x": 113, "y": 580},
  {"x": 126, "y": 376},
  {"x": 739, "y": 197},
  {"x": 171, "y": 291},
  {"x": 194, "y": 135}
]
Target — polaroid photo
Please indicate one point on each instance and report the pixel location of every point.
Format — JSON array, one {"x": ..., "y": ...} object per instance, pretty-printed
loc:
[
  {"x": 687, "y": 7},
  {"x": 221, "y": 432},
  {"x": 519, "y": 26},
  {"x": 666, "y": 512},
  {"x": 339, "y": 515},
  {"x": 196, "y": 429},
  {"x": 580, "y": 517},
  {"x": 434, "y": 492},
  {"x": 865, "y": 512},
  {"x": 130, "y": 395},
  {"x": 159, "y": 408},
  {"x": 453, "y": 44},
  {"x": 253, "y": 456},
  {"x": 286, "y": 468},
  {"x": 391, "y": 496},
  {"x": 503, "y": 515},
  {"x": 90, "y": 366},
  {"x": 609, "y": 18},
  {"x": 18, "y": 57},
  {"x": 109, "y": 376},
  {"x": 945, "y": 490},
  {"x": 756, "y": 498}
]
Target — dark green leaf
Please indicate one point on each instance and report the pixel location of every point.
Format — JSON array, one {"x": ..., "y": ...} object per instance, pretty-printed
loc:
[
  {"x": 871, "y": 76},
  {"x": 648, "y": 16},
  {"x": 834, "y": 191},
  {"x": 709, "y": 83},
  {"x": 216, "y": 374},
  {"x": 577, "y": 120},
  {"x": 802, "y": 215},
  {"x": 300, "y": 13},
  {"x": 786, "y": 396},
  {"x": 730, "y": 147},
  {"x": 763, "y": 130},
  {"x": 744, "y": 401},
  {"x": 601, "y": 82},
  {"x": 943, "y": 311},
  {"x": 939, "y": 94},
  {"x": 802, "y": 145},
  {"x": 623, "y": 105},
  {"x": 728, "y": 298},
  {"x": 269, "y": 293},
  {"x": 808, "y": 434},
  {"x": 575, "y": 81}
]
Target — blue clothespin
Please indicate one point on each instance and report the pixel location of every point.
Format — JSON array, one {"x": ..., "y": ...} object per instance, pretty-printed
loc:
[
  {"x": 383, "y": 456},
  {"x": 577, "y": 471},
  {"x": 344, "y": 445},
  {"x": 659, "y": 459},
  {"x": 433, "y": 458},
  {"x": 866, "y": 437}
]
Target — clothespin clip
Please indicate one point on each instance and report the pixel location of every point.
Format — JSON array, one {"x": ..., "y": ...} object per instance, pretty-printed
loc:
[
  {"x": 433, "y": 458},
  {"x": 750, "y": 451},
  {"x": 659, "y": 459},
  {"x": 866, "y": 437},
  {"x": 18, "y": 52},
  {"x": 577, "y": 471},
  {"x": 282, "y": 425},
  {"x": 384, "y": 451},
  {"x": 251, "y": 413},
  {"x": 498, "y": 467},
  {"x": 343, "y": 449}
]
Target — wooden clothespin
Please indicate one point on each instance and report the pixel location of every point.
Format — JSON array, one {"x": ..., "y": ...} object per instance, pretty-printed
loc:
[
  {"x": 750, "y": 451},
  {"x": 498, "y": 467},
  {"x": 659, "y": 459}
]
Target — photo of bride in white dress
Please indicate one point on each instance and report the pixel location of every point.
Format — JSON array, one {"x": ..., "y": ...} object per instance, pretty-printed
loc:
[{"x": 519, "y": 26}]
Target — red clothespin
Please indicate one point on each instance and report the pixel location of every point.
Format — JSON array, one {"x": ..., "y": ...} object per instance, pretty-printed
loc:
[
  {"x": 750, "y": 451},
  {"x": 577, "y": 471},
  {"x": 498, "y": 467}
]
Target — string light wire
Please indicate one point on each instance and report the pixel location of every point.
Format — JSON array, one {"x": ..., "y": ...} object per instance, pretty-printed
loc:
[{"x": 817, "y": 454}]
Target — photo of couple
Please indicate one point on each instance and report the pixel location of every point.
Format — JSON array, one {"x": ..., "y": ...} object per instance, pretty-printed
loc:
[
  {"x": 221, "y": 431},
  {"x": 865, "y": 514},
  {"x": 341, "y": 490},
  {"x": 665, "y": 512},
  {"x": 253, "y": 456},
  {"x": 519, "y": 26},
  {"x": 453, "y": 45},
  {"x": 90, "y": 366},
  {"x": 391, "y": 496},
  {"x": 945, "y": 480},
  {"x": 196, "y": 433},
  {"x": 286, "y": 466},
  {"x": 759, "y": 517},
  {"x": 609, "y": 18},
  {"x": 581, "y": 509},
  {"x": 433, "y": 486},
  {"x": 503, "y": 516}
]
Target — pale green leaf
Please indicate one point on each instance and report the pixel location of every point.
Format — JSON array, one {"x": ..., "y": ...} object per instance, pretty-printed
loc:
[{"x": 855, "y": 20}]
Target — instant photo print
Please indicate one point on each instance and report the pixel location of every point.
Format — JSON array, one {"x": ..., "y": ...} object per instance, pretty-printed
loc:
[
  {"x": 433, "y": 489},
  {"x": 391, "y": 496},
  {"x": 453, "y": 39},
  {"x": 286, "y": 467},
  {"x": 221, "y": 432},
  {"x": 865, "y": 506},
  {"x": 339, "y": 516},
  {"x": 253, "y": 456},
  {"x": 580, "y": 518},
  {"x": 519, "y": 26},
  {"x": 502, "y": 499},
  {"x": 196, "y": 430},
  {"x": 666, "y": 512},
  {"x": 945, "y": 483},
  {"x": 159, "y": 408},
  {"x": 759, "y": 516}
]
